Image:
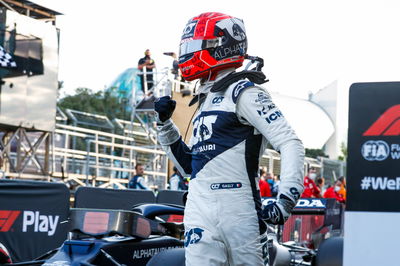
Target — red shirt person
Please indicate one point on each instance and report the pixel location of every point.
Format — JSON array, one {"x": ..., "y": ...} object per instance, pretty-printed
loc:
[
  {"x": 311, "y": 190},
  {"x": 333, "y": 192},
  {"x": 265, "y": 189}
]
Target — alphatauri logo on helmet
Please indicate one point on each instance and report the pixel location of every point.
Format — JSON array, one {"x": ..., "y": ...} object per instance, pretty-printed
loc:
[
  {"x": 234, "y": 27},
  {"x": 238, "y": 32},
  {"x": 188, "y": 31}
]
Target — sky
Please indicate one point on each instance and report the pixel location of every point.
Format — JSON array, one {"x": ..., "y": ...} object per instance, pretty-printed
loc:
[{"x": 305, "y": 44}]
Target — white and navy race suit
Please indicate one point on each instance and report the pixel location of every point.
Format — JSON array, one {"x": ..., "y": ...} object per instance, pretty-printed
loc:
[{"x": 230, "y": 133}]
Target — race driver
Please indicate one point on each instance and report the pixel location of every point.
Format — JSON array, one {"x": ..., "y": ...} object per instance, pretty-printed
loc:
[{"x": 234, "y": 121}]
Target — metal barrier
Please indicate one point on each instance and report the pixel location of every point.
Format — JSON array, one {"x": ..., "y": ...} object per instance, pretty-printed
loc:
[
  {"x": 99, "y": 159},
  {"x": 332, "y": 170},
  {"x": 107, "y": 161}
]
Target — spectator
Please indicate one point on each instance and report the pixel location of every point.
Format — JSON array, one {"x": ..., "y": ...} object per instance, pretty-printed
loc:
[
  {"x": 320, "y": 182},
  {"x": 310, "y": 188},
  {"x": 138, "y": 182},
  {"x": 176, "y": 181},
  {"x": 333, "y": 192},
  {"x": 275, "y": 189},
  {"x": 2, "y": 173},
  {"x": 265, "y": 189},
  {"x": 146, "y": 63},
  {"x": 270, "y": 179},
  {"x": 175, "y": 64},
  {"x": 342, "y": 190}
]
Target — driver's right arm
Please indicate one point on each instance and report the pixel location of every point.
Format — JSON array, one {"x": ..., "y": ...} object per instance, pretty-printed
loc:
[
  {"x": 173, "y": 145},
  {"x": 170, "y": 138}
]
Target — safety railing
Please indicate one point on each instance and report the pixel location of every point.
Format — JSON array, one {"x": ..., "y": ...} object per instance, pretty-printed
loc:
[{"x": 104, "y": 159}]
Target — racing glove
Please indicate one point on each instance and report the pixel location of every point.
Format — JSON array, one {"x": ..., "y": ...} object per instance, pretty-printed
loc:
[
  {"x": 164, "y": 107},
  {"x": 168, "y": 133},
  {"x": 279, "y": 211}
]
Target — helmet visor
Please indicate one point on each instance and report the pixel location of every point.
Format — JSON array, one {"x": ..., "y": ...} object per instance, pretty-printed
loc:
[{"x": 191, "y": 46}]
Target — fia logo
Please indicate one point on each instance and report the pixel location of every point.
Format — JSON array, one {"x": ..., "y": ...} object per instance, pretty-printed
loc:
[
  {"x": 202, "y": 128},
  {"x": 375, "y": 150}
]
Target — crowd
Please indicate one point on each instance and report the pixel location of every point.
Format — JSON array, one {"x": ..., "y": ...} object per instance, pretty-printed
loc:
[{"x": 314, "y": 185}]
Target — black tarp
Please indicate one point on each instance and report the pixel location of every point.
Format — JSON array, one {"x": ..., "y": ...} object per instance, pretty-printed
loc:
[
  {"x": 171, "y": 197},
  {"x": 33, "y": 217},
  {"x": 115, "y": 199}
]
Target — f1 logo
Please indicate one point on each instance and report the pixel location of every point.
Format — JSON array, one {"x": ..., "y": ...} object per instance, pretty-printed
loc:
[
  {"x": 7, "y": 219},
  {"x": 388, "y": 124}
]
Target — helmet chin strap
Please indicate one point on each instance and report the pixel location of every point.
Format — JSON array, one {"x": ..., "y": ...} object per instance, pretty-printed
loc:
[{"x": 211, "y": 77}]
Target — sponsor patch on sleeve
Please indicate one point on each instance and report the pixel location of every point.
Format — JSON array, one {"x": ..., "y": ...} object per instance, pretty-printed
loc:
[
  {"x": 263, "y": 98},
  {"x": 239, "y": 87},
  {"x": 269, "y": 116}
]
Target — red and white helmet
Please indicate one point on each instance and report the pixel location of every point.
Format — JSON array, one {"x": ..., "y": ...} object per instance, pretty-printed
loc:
[{"x": 211, "y": 42}]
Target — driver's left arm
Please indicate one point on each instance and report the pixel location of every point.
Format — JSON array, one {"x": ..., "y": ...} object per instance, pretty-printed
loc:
[{"x": 255, "y": 107}]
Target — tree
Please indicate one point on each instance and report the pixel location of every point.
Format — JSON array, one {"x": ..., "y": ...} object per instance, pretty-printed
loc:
[
  {"x": 101, "y": 102},
  {"x": 343, "y": 149},
  {"x": 315, "y": 153}
]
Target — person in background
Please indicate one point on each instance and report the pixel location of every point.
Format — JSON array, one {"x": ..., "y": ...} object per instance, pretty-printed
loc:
[
  {"x": 2, "y": 173},
  {"x": 320, "y": 182},
  {"x": 265, "y": 189},
  {"x": 176, "y": 181},
  {"x": 138, "y": 181},
  {"x": 175, "y": 64},
  {"x": 333, "y": 192},
  {"x": 342, "y": 190},
  {"x": 275, "y": 189},
  {"x": 146, "y": 63},
  {"x": 270, "y": 179},
  {"x": 310, "y": 188}
]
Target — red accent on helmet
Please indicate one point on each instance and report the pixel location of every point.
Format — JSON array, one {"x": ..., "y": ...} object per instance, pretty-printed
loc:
[{"x": 211, "y": 42}]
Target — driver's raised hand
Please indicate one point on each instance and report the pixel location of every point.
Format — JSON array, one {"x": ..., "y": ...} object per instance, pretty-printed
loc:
[{"x": 164, "y": 107}]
